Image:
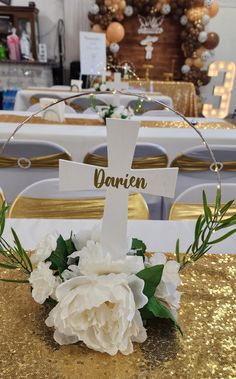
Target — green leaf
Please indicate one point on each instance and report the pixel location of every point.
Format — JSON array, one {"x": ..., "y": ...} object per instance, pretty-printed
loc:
[
  {"x": 156, "y": 308},
  {"x": 177, "y": 253},
  {"x": 3, "y": 212},
  {"x": 70, "y": 246},
  {"x": 151, "y": 277},
  {"x": 8, "y": 266},
  {"x": 218, "y": 198},
  {"x": 14, "y": 281},
  {"x": 22, "y": 253},
  {"x": 58, "y": 258},
  {"x": 227, "y": 235},
  {"x": 225, "y": 208},
  {"x": 139, "y": 246}
]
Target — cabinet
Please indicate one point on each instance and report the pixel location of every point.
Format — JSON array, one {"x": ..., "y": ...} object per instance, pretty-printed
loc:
[{"x": 24, "y": 19}]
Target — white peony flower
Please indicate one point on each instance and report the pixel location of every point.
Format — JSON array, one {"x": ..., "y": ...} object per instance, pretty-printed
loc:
[
  {"x": 94, "y": 261},
  {"x": 155, "y": 259},
  {"x": 103, "y": 87},
  {"x": 101, "y": 311},
  {"x": 80, "y": 239},
  {"x": 44, "y": 248},
  {"x": 166, "y": 291},
  {"x": 43, "y": 282}
]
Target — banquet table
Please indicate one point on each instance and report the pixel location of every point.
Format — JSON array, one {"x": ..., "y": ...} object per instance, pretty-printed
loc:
[
  {"x": 205, "y": 351},
  {"x": 80, "y": 136},
  {"x": 23, "y": 97}
]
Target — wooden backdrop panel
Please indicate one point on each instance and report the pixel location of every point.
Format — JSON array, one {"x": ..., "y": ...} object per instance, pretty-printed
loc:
[{"x": 166, "y": 51}]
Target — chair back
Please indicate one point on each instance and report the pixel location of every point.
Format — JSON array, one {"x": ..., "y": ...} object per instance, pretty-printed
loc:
[
  {"x": 36, "y": 107},
  {"x": 194, "y": 168},
  {"x": 143, "y": 106},
  {"x": 146, "y": 156},
  {"x": 81, "y": 104},
  {"x": 2, "y": 198},
  {"x": 24, "y": 162},
  {"x": 37, "y": 96},
  {"x": 44, "y": 200},
  {"x": 189, "y": 204}
]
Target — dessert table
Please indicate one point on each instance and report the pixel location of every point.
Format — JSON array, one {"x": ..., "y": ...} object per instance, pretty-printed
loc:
[
  {"x": 206, "y": 349},
  {"x": 79, "y": 136}
]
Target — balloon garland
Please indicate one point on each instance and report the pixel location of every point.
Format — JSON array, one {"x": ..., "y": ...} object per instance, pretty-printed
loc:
[{"x": 106, "y": 16}]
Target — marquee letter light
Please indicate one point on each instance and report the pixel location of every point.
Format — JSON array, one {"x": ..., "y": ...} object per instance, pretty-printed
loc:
[{"x": 224, "y": 91}]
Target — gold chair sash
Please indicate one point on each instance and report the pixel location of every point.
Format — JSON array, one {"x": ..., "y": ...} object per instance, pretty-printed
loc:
[
  {"x": 82, "y": 208},
  {"x": 187, "y": 211},
  {"x": 159, "y": 161},
  {"x": 186, "y": 163},
  {"x": 46, "y": 161},
  {"x": 2, "y": 198}
]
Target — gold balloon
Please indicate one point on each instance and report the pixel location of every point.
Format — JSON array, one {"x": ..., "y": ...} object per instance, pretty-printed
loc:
[
  {"x": 213, "y": 9},
  {"x": 200, "y": 51},
  {"x": 97, "y": 29},
  {"x": 198, "y": 63},
  {"x": 189, "y": 62},
  {"x": 115, "y": 32},
  {"x": 196, "y": 14}
]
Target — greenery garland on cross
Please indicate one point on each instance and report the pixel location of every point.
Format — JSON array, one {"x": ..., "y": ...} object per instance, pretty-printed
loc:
[{"x": 106, "y": 16}]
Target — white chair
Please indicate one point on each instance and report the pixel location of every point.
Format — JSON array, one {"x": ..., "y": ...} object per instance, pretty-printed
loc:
[
  {"x": 194, "y": 168},
  {"x": 36, "y": 107},
  {"x": 146, "y": 155},
  {"x": 2, "y": 197},
  {"x": 189, "y": 204},
  {"x": 81, "y": 104},
  {"x": 44, "y": 200},
  {"x": 24, "y": 161}
]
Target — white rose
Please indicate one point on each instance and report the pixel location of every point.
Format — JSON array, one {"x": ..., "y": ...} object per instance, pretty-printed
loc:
[
  {"x": 103, "y": 87},
  {"x": 166, "y": 291},
  {"x": 155, "y": 259},
  {"x": 44, "y": 248},
  {"x": 43, "y": 282},
  {"x": 101, "y": 311},
  {"x": 94, "y": 261}
]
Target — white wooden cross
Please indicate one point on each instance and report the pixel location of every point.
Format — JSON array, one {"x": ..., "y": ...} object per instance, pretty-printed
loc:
[
  {"x": 117, "y": 85},
  {"x": 118, "y": 179}
]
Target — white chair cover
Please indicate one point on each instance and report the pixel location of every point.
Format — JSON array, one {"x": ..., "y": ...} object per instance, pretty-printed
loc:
[
  {"x": 36, "y": 107},
  {"x": 161, "y": 113},
  {"x": 14, "y": 179},
  {"x": 186, "y": 179}
]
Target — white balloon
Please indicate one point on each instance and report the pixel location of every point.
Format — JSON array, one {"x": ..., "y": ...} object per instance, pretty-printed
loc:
[
  {"x": 166, "y": 9},
  {"x": 94, "y": 9},
  {"x": 202, "y": 37},
  {"x": 184, "y": 20},
  {"x": 206, "y": 19},
  {"x": 114, "y": 47},
  {"x": 185, "y": 69},
  {"x": 205, "y": 55},
  {"x": 129, "y": 10},
  {"x": 208, "y": 3}
]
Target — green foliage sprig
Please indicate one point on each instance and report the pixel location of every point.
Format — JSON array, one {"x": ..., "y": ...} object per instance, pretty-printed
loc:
[
  {"x": 12, "y": 257},
  {"x": 206, "y": 226}
]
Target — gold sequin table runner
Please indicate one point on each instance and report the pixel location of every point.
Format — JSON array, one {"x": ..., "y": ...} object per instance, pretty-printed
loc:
[
  {"x": 206, "y": 351},
  {"x": 6, "y": 118}
]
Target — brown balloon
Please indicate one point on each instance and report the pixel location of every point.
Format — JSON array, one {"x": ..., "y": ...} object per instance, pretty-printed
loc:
[{"x": 212, "y": 41}]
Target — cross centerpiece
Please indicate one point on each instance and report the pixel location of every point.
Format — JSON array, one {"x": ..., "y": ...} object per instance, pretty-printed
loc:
[
  {"x": 117, "y": 85},
  {"x": 118, "y": 179}
]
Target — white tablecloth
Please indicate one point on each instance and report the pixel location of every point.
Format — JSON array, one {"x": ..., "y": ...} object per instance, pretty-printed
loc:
[
  {"x": 78, "y": 140},
  {"x": 22, "y": 102},
  {"x": 158, "y": 235}
]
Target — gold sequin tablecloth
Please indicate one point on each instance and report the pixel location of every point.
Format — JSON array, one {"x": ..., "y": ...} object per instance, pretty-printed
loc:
[
  {"x": 6, "y": 118},
  {"x": 183, "y": 94},
  {"x": 206, "y": 351}
]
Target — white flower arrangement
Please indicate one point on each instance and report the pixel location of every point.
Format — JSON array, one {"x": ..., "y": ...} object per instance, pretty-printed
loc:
[
  {"x": 102, "y": 87},
  {"x": 104, "y": 302},
  {"x": 111, "y": 111}
]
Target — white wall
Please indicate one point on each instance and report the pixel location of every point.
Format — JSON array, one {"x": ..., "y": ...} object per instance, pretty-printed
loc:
[
  {"x": 224, "y": 25},
  {"x": 50, "y": 11}
]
